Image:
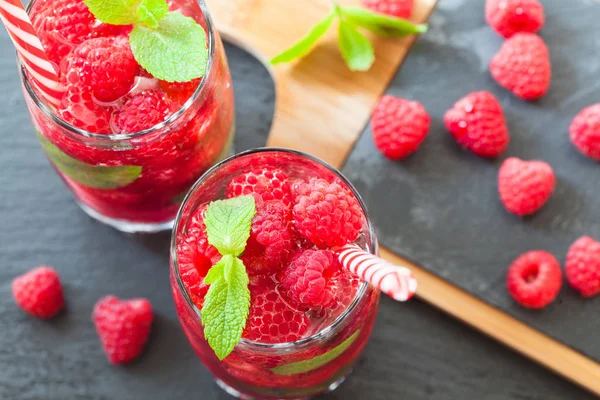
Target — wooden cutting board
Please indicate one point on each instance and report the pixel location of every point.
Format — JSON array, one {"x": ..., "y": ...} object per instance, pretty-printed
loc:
[{"x": 322, "y": 108}]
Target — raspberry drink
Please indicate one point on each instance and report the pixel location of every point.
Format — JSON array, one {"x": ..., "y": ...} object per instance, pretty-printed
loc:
[
  {"x": 308, "y": 318},
  {"x": 127, "y": 142}
]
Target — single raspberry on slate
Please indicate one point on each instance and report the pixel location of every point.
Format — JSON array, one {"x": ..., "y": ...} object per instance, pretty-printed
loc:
[
  {"x": 395, "y": 8},
  {"x": 267, "y": 183},
  {"x": 123, "y": 327},
  {"x": 508, "y": 17},
  {"x": 326, "y": 213},
  {"x": 39, "y": 292},
  {"x": 142, "y": 111},
  {"x": 525, "y": 186},
  {"x": 307, "y": 278},
  {"x": 399, "y": 126},
  {"x": 477, "y": 123},
  {"x": 534, "y": 279},
  {"x": 270, "y": 241},
  {"x": 585, "y": 131},
  {"x": 105, "y": 66},
  {"x": 195, "y": 256},
  {"x": 522, "y": 65},
  {"x": 273, "y": 319},
  {"x": 582, "y": 267}
]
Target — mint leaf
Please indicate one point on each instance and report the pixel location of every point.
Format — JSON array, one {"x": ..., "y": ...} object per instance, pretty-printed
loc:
[
  {"x": 228, "y": 224},
  {"x": 380, "y": 24},
  {"x": 226, "y": 306},
  {"x": 116, "y": 12},
  {"x": 217, "y": 271},
  {"x": 303, "y": 46},
  {"x": 92, "y": 176},
  {"x": 151, "y": 11},
  {"x": 355, "y": 47},
  {"x": 316, "y": 362},
  {"x": 174, "y": 51}
]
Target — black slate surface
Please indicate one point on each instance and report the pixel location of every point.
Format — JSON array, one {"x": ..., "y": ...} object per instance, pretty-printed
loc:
[
  {"x": 415, "y": 351},
  {"x": 440, "y": 207}
]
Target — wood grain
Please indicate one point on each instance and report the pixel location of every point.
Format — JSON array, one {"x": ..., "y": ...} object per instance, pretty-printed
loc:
[{"x": 321, "y": 108}]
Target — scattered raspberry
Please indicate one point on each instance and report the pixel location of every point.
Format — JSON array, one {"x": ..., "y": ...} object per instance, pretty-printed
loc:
[
  {"x": 142, "y": 111},
  {"x": 179, "y": 92},
  {"x": 39, "y": 292},
  {"x": 307, "y": 278},
  {"x": 477, "y": 123},
  {"x": 63, "y": 24},
  {"x": 195, "y": 257},
  {"x": 123, "y": 327},
  {"x": 271, "y": 318},
  {"x": 270, "y": 241},
  {"x": 525, "y": 186},
  {"x": 534, "y": 279},
  {"x": 583, "y": 266},
  {"x": 267, "y": 182},
  {"x": 585, "y": 131},
  {"x": 523, "y": 66},
  {"x": 399, "y": 126},
  {"x": 80, "y": 110},
  {"x": 326, "y": 213},
  {"x": 105, "y": 66},
  {"x": 395, "y": 8},
  {"x": 508, "y": 17}
]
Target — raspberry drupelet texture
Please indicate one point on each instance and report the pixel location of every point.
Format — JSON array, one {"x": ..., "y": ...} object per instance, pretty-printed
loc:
[
  {"x": 522, "y": 65},
  {"x": 582, "y": 267},
  {"x": 39, "y": 292},
  {"x": 142, "y": 111},
  {"x": 273, "y": 319},
  {"x": 399, "y": 126},
  {"x": 307, "y": 278},
  {"x": 525, "y": 186},
  {"x": 508, "y": 17},
  {"x": 477, "y": 123},
  {"x": 326, "y": 213},
  {"x": 585, "y": 131},
  {"x": 534, "y": 279},
  {"x": 265, "y": 183},
  {"x": 395, "y": 8},
  {"x": 123, "y": 327},
  {"x": 270, "y": 241}
]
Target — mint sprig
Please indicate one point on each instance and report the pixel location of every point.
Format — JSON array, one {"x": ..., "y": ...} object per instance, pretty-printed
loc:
[
  {"x": 227, "y": 303},
  {"x": 169, "y": 45},
  {"x": 355, "y": 48}
]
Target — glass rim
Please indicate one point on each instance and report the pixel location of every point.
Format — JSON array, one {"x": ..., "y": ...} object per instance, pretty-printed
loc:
[
  {"x": 198, "y": 93},
  {"x": 373, "y": 248}
]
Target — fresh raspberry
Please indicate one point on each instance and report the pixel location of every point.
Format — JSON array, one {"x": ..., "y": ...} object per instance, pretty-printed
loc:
[
  {"x": 344, "y": 286},
  {"x": 583, "y": 266},
  {"x": 326, "y": 213},
  {"x": 534, "y": 279},
  {"x": 123, "y": 327},
  {"x": 399, "y": 126},
  {"x": 307, "y": 277},
  {"x": 523, "y": 66},
  {"x": 80, "y": 110},
  {"x": 39, "y": 292},
  {"x": 179, "y": 92},
  {"x": 525, "y": 186},
  {"x": 477, "y": 123},
  {"x": 195, "y": 256},
  {"x": 105, "y": 66},
  {"x": 273, "y": 319},
  {"x": 142, "y": 111},
  {"x": 395, "y": 8},
  {"x": 63, "y": 24},
  {"x": 508, "y": 17},
  {"x": 585, "y": 131},
  {"x": 267, "y": 182},
  {"x": 270, "y": 241}
]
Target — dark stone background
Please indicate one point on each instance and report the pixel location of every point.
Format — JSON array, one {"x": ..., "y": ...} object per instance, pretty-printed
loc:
[
  {"x": 415, "y": 352},
  {"x": 441, "y": 207}
]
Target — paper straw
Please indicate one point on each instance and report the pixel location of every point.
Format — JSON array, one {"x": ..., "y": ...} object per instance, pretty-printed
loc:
[
  {"x": 395, "y": 281},
  {"x": 30, "y": 49}
]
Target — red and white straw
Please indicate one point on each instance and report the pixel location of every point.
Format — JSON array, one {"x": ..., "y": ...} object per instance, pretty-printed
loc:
[
  {"x": 30, "y": 50},
  {"x": 395, "y": 281}
]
